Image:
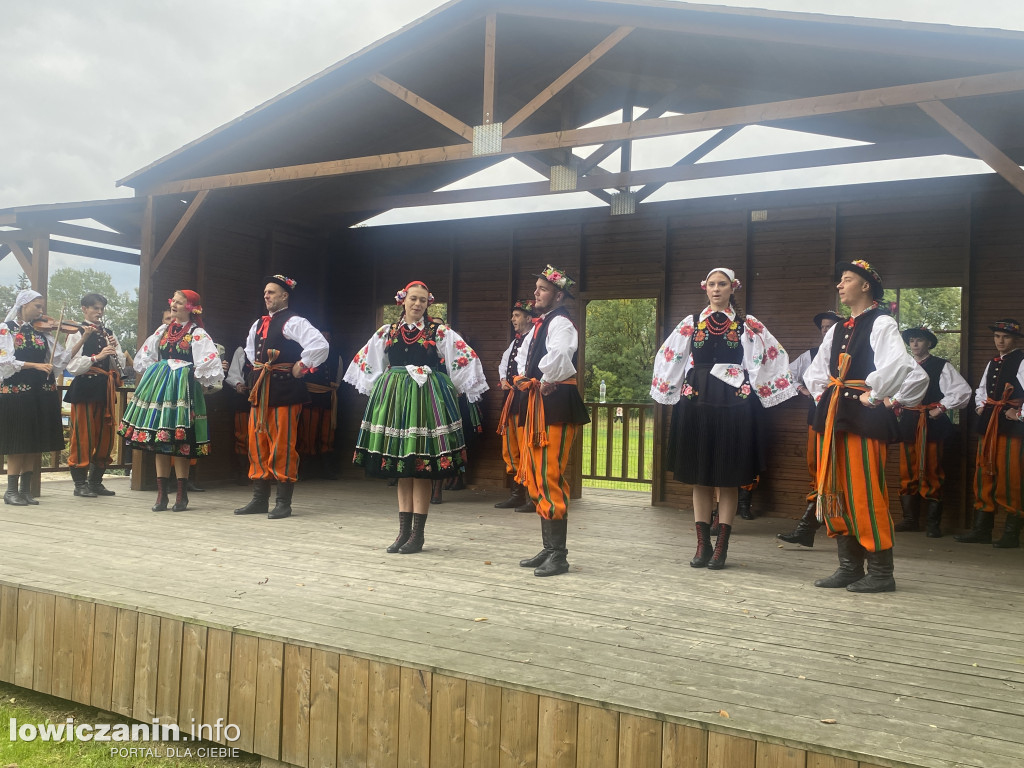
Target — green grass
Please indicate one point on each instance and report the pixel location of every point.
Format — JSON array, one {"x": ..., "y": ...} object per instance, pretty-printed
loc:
[
  {"x": 633, "y": 457},
  {"x": 36, "y": 709}
]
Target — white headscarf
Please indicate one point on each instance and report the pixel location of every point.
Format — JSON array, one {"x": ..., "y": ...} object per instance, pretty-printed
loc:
[
  {"x": 725, "y": 271},
  {"x": 24, "y": 297}
]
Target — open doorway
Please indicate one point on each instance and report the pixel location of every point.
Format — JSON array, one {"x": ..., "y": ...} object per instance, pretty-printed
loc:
[{"x": 620, "y": 341}]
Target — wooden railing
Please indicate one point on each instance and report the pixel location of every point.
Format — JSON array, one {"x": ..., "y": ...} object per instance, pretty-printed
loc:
[
  {"x": 58, "y": 459},
  {"x": 618, "y": 444}
]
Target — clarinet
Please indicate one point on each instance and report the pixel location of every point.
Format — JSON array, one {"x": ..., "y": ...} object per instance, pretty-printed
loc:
[{"x": 111, "y": 342}]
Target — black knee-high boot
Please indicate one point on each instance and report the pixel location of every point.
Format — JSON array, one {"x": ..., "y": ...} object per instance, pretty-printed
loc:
[
  {"x": 181, "y": 500},
  {"x": 851, "y": 564},
  {"x": 26, "y": 488},
  {"x": 13, "y": 495},
  {"x": 415, "y": 541},
  {"x": 161, "y": 495},
  {"x": 404, "y": 531},
  {"x": 804, "y": 532},
  {"x": 541, "y": 557},
  {"x": 556, "y": 563},
  {"x": 717, "y": 561},
  {"x": 704, "y": 551}
]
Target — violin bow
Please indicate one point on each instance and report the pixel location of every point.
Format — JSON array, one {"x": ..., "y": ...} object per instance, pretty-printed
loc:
[{"x": 56, "y": 334}]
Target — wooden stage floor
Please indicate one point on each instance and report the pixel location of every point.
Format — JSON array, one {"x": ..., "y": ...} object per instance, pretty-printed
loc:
[{"x": 931, "y": 675}]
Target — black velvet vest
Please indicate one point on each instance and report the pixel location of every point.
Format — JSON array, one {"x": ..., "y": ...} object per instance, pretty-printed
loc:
[
  {"x": 285, "y": 389},
  {"x": 1000, "y": 373},
  {"x": 91, "y": 387},
  {"x": 564, "y": 405},
  {"x": 939, "y": 428},
  {"x": 423, "y": 351},
  {"x": 876, "y": 423}
]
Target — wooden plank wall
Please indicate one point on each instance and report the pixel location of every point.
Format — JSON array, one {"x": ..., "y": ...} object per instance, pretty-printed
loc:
[{"x": 321, "y": 708}]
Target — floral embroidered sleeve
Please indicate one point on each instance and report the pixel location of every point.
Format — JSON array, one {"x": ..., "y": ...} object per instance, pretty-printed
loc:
[
  {"x": 9, "y": 365},
  {"x": 208, "y": 368},
  {"x": 768, "y": 364},
  {"x": 149, "y": 352},
  {"x": 464, "y": 366},
  {"x": 672, "y": 362},
  {"x": 369, "y": 363}
]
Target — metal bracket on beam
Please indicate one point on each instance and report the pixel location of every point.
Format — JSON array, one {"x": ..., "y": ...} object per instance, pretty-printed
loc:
[
  {"x": 623, "y": 203},
  {"x": 486, "y": 139},
  {"x": 563, "y": 178}
]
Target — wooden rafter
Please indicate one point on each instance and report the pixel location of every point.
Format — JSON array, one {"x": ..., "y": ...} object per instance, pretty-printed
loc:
[
  {"x": 23, "y": 255},
  {"x": 490, "y": 43},
  {"x": 783, "y": 162},
  {"x": 703, "y": 150},
  {"x": 419, "y": 103},
  {"x": 92, "y": 235},
  {"x": 544, "y": 169},
  {"x": 899, "y": 95},
  {"x": 564, "y": 79},
  {"x": 178, "y": 230},
  {"x": 974, "y": 141}
]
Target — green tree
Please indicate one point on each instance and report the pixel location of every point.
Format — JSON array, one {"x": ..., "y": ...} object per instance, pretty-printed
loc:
[
  {"x": 939, "y": 309},
  {"x": 620, "y": 348},
  {"x": 66, "y": 288}
]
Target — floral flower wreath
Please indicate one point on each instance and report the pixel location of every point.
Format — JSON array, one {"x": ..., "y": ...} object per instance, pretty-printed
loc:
[
  {"x": 402, "y": 294},
  {"x": 288, "y": 283},
  {"x": 866, "y": 266},
  {"x": 523, "y": 305},
  {"x": 558, "y": 278},
  {"x": 192, "y": 302},
  {"x": 736, "y": 284}
]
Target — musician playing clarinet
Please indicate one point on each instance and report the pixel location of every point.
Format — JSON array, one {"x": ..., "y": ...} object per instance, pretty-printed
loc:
[{"x": 96, "y": 368}]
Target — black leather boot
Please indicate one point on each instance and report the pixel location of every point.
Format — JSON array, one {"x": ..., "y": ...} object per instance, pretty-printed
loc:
[
  {"x": 743, "y": 502},
  {"x": 704, "y": 551},
  {"x": 556, "y": 563},
  {"x": 181, "y": 499},
  {"x": 437, "y": 492},
  {"x": 541, "y": 557},
  {"x": 190, "y": 481},
  {"x": 81, "y": 477},
  {"x": 911, "y": 514},
  {"x": 717, "y": 561},
  {"x": 404, "y": 530},
  {"x": 879, "y": 578},
  {"x": 851, "y": 564},
  {"x": 13, "y": 495},
  {"x": 805, "y": 529},
  {"x": 981, "y": 533},
  {"x": 516, "y": 499},
  {"x": 1009, "y": 540},
  {"x": 528, "y": 508},
  {"x": 26, "y": 488},
  {"x": 161, "y": 495},
  {"x": 96, "y": 481},
  {"x": 933, "y": 519},
  {"x": 283, "y": 505},
  {"x": 415, "y": 542},
  {"x": 260, "y": 502}
]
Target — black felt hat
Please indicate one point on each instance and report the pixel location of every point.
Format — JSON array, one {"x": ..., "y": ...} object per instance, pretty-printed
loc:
[
  {"x": 288, "y": 283},
  {"x": 835, "y": 317},
  {"x": 1007, "y": 325},
  {"x": 920, "y": 332},
  {"x": 865, "y": 270}
]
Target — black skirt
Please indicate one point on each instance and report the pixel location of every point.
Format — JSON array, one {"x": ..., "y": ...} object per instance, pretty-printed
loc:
[
  {"x": 714, "y": 438},
  {"x": 30, "y": 418}
]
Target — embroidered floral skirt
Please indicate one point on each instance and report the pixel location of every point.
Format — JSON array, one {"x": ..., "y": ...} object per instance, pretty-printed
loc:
[
  {"x": 409, "y": 430},
  {"x": 167, "y": 413},
  {"x": 714, "y": 436},
  {"x": 30, "y": 418}
]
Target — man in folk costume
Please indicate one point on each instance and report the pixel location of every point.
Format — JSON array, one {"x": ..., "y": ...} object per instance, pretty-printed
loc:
[
  {"x": 860, "y": 362},
  {"x": 1000, "y": 460},
  {"x": 808, "y": 525},
  {"x": 282, "y": 348},
  {"x": 551, "y": 413},
  {"x": 924, "y": 430},
  {"x": 509, "y": 428},
  {"x": 96, "y": 368}
]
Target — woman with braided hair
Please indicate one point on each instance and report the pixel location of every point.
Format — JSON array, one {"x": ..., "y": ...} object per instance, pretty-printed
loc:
[
  {"x": 167, "y": 415},
  {"x": 712, "y": 368},
  {"x": 412, "y": 428}
]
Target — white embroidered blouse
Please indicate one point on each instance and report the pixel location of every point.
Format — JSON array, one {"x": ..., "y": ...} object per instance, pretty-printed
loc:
[{"x": 205, "y": 360}]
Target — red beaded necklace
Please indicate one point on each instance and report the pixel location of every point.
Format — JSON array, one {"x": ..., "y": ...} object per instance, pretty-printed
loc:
[
  {"x": 175, "y": 333},
  {"x": 411, "y": 337},
  {"x": 716, "y": 327}
]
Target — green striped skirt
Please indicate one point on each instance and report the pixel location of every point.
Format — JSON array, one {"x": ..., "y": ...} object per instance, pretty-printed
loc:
[
  {"x": 167, "y": 413},
  {"x": 409, "y": 430}
]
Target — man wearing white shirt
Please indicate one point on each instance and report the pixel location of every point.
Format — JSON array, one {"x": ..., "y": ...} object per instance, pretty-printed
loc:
[
  {"x": 860, "y": 362},
  {"x": 282, "y": 348},
  {"x": 509, "y": 429},
  {"x": 547, "y": 374},
  {"x": 924, "y": 430}
]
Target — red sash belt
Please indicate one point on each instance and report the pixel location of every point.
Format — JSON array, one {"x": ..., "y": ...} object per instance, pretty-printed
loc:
[
  {"x": 991, "y": 436},
  {"x": 921, "y": 438}
]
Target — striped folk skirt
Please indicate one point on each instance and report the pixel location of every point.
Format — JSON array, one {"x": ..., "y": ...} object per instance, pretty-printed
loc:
[
  {"x": 167, "y": 413},
  {"x": 409, "y": 430}
]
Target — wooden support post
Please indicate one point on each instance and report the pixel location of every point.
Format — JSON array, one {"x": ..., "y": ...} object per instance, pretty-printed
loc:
[{"x": 490, "y": 37}]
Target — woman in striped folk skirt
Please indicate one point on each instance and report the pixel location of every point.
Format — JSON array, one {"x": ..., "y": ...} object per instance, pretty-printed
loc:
[
  {"x": 712, "y": 368},
  {"x": 412, "y": 429}
]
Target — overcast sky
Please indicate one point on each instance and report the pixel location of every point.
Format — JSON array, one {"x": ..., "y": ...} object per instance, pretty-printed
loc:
[{"x": 95, "y": 90}]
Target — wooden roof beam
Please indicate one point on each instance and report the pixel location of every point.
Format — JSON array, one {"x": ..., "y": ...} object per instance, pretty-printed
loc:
[
  {"x": 178, "y": 230},
  {"x": 564, "y": 79},
  {"x": 23, "y": 256},
  {"x": 92, "y": 235},
  {"x": 784, "y": 162},
  {"x": 876, "y": 98},
  {"x": 974, "y": 141},
  {"x": 430, "y": 110},
  {"x": 703, "y": 150},
  {"x": 544, "y": 169},
  {"x": 490, "y": 46}
]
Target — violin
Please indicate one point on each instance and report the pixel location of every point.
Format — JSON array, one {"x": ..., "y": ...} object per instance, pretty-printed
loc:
[{"x": 46, "y": 324}]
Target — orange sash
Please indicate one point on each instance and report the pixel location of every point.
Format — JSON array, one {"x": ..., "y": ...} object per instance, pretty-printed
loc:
[
  {"x": 260, "y": 395},
  {"x": 113, "y": 382},
  {"x": 991, "y": 436},
  {"x": 321, "y": 389},
  {"x": 830, "y": 503},
  {"x": 921, "y": 437},
  {"x": 535, "y": 429}
]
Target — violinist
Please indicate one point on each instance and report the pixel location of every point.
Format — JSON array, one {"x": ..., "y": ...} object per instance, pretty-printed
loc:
[
  {"x": 96, "y": 366},
  {"x": 30, "y": 422}
]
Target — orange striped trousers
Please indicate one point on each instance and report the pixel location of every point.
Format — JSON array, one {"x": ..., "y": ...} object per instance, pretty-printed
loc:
[
  {"x": 912, "y": 480},
  {"x": 242, "y": 433},
  {"x": 860, "y": 481},
  {"x": 510, "y": 444},
  {"x": 272, "y": 453},
  {"x": 91, "y": 438},
  {"x": 316, "y": 432},
  {"x": 545, "y": 477},
  {"x": 812, "y": 462},
  {"x": 1004, "y": 488}
]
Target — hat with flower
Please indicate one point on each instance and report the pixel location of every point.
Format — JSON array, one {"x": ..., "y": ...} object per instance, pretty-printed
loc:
[
  {"x": 288, "y": 283},
  {"x": 1007, "y": 325},
  {"x": 523, "y": 305},
  {"x": 558, "y": 278},
  {"x": 402, "y": 294},
  {"x": 865, "y": 270},
  {"x": 920, "y": 332}
]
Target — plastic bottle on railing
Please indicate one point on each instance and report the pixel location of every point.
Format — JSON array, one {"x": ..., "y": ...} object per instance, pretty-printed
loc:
[{"x": 603, "y": 390}]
